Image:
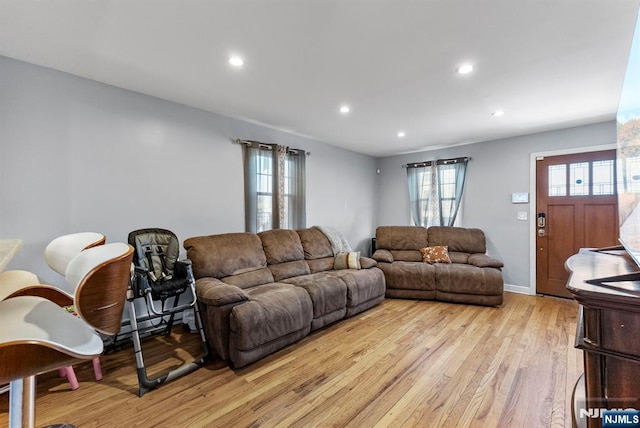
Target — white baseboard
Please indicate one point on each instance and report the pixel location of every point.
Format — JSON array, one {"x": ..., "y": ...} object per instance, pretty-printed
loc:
[{"x": 520, "y": 289}]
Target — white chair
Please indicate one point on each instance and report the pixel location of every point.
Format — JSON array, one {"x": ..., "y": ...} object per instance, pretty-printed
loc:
[
  {"x": 37, "y": 335},
  {"x": 57, "y": 254}
]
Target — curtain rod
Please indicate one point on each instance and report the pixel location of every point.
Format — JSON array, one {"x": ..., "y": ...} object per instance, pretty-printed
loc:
[
  {"x": 438, "y": 162},
  {"x": 267, "y": 146}
]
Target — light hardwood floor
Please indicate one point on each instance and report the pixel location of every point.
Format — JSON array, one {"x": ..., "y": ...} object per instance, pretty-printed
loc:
[{"x": 403, "y": 363}]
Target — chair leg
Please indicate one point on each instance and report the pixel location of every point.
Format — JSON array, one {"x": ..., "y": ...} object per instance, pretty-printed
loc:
[
  {"x": 71, "y": 377},
  {"x": 97, "y": 370},
  {"x": 22, "y": 403}
]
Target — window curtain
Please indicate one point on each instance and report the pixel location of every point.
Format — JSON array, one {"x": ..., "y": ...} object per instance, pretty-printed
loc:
[
  {"x": 450, "y": 193},
  {"x": 435, "y": 191},
  {"x": 423, "y": 194},
  {"x": 296, "y": 184},
  {"x": 274, "y": 180}
]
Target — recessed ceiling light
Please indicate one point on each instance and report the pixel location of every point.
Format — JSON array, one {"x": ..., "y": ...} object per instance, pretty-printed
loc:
[
  {"x": 465, "y": 69},
  {"x": 400, "y": 134},
  {"x": 344, "y": 109},
  {"x": 236, "y": 61},
  {"x": 497, "y": 113}
]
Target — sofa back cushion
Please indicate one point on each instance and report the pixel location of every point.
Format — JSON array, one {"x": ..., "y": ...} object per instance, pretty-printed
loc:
[
  {"x": 317, "y": 249},
  {"x": 284, "y": 253},
  {"x": 458, "y": 239},
  {"x": 401, "y": 238},
  {"x": 315, "y": 244},
  {"x": 219, "y": 256},
  {"x": 404, "y": 242}
]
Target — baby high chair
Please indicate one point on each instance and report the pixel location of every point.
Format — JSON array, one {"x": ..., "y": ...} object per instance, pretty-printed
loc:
[{"x": 160, "y": 280}]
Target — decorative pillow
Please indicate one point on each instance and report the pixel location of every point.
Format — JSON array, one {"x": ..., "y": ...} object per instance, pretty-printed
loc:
[
  {"x": 437, "y": 254},
  {"x": 349, "y": 260}
]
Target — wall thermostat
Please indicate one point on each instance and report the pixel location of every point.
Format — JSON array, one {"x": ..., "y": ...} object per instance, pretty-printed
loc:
[{"x": 520, "y": 198}]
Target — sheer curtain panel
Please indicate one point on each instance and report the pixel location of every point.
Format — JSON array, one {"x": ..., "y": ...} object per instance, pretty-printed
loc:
[{"x": 435, "y": 191}]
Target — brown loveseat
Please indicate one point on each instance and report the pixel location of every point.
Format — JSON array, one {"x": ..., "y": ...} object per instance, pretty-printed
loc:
[
  {"x": 260, "y": 293},
  {"x": 471, "y": 277}
]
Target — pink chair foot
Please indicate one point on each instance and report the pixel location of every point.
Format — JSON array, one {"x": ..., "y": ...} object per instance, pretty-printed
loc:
[
  {"x": 71, "y": 376},
  {"x": 97, "y": 370}
]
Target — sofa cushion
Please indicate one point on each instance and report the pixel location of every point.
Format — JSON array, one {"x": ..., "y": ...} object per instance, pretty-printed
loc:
[
  {"x": 226, "y": 254},
  {"x": 249, "y": 279},
  {"x": 383, "y": 256},
  {"x": 274, "y": 310},
  {"x": 328, "y": 293},
  {"x": 407, "y": 255},
  {"x": 436, "y": 254},
  {"x": 321, "y": 265},
  {"x": 289, "y": 269},
  {"x": 213, "y": 292},
  {"x": 468, "y": 279},
  {"x": 483, "y": 260},
  {"x": 409, "y": 275},
  {"x": 367, "y": 263},
  {"x": 363, "y": 285},
  {"x": 315, "y": 244},
  {"x": 281, "y": 246},
  {"x": 401, "y": 237},
  {"x": 458, "y": 239},
  {"x": 459, "y": 257},
  {"x": 350, "y": 260}
]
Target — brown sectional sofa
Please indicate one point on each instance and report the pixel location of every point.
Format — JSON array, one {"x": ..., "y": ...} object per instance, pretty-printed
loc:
[
  {"x": 260, "y": 293},
  {"x": 471, "y": 277}
]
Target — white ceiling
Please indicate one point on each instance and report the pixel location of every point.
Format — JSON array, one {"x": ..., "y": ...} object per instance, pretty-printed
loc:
[{"x": 548, "y": 64}]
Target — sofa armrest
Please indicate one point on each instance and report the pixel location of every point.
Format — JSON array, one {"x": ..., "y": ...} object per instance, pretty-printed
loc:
[
  {"x": 367, "y": 263},
  {"x": 483, "y": 260},
  {"x": 383, "y": 256},
  {"x": 213, "y": 292}
]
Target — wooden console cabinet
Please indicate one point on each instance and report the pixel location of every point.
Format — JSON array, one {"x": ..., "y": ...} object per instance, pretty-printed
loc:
[{"x": 608, "y": 333}]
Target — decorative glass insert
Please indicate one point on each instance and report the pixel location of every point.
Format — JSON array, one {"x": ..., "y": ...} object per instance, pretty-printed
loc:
[
  {"x": 630, "y": 177},
  {"x": 579, "y": 179},
  {"x": 558, "y": 180},
  {"x": 594, "y": 178},
  {"x": 603, "y": 172}
]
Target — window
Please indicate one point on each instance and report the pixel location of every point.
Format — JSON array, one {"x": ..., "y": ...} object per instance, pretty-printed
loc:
[
  {"x": 435, "y": 191},
  {"x": 595, "y": 178},
  {"x": 274, "y": 187}
]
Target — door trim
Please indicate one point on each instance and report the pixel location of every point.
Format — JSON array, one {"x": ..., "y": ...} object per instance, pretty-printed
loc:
[{"x": 531, "y": 290}]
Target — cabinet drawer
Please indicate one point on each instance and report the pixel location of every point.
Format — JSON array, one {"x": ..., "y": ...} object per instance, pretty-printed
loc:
[{"x": 619, "y": 331}]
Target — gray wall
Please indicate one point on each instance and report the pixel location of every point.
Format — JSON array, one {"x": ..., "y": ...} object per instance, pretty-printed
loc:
[
  {"x": 496, "y": 170},
  {"x": 77, "y": 155}
]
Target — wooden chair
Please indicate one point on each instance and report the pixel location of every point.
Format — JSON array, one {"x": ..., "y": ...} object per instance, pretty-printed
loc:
[
  {"x": 57, "y": 254},
  {"x": 37, "y": 335}
]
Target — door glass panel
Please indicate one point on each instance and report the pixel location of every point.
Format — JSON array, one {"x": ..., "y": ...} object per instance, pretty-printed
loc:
[
  {"x": 579, "y": 179},
  {"x": 603, "y": 178},
  {"x": 558, "y": 180},
  {"x": 630, "y": 177}
]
